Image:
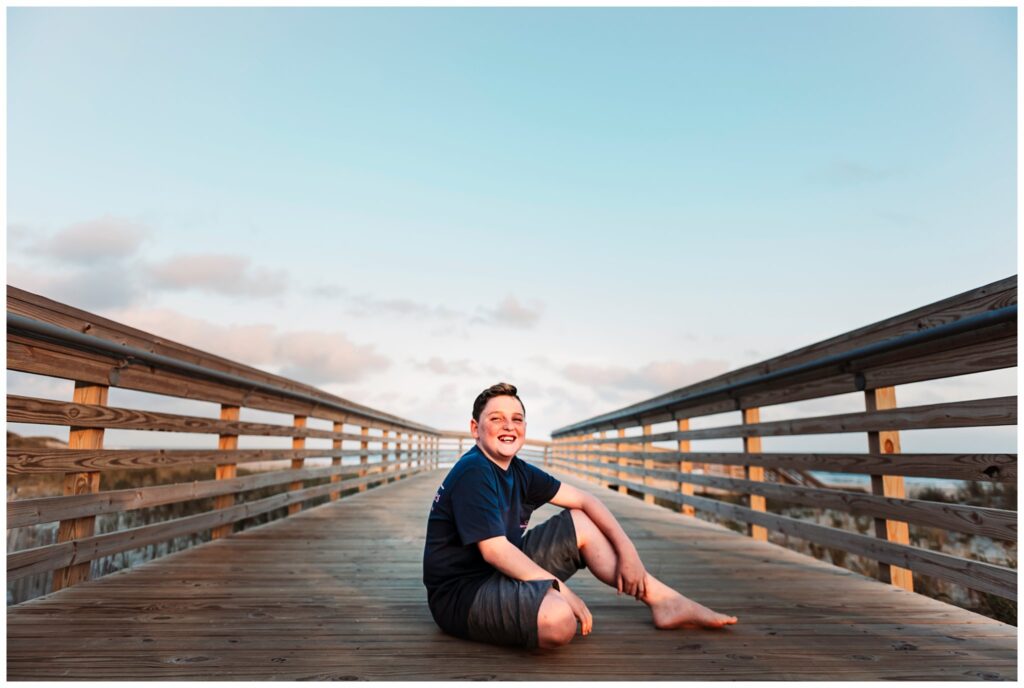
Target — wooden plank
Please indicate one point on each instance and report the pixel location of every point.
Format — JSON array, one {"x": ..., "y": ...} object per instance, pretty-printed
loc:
[
  {"x": 978, "y": 301},
  {"x": 48, "y": 557},
  {"x": 226, "y": 471},
  {"x": 620, "y": 447},
  {"x": 76, "y": 483},
  {"x": 47, "y": 358},
  {"x": 48, "y": 412},
  {"x": 59, "y": 460},
  {"x": 889, "y": 486},
  {"x": 335, "y": 593},
  {"x": 646, "y": 447},
  {"x": 298, "y": 444},
  {"x": 971, "y": 352},
  {"x": 27, "y": 512},
  {"x": 754, "y": 473},
  {"x": 984, "y": 577},
  {"x": 45, "y": 310},
  {"x": 336, "y": 461},
  {"x": 364, "y": 433},
  {"x": 960, "y": 414},
  {"x": 999, "y": 524},
  {"x": 685, "y": 467},
  {"x": 996, "y": 468}
]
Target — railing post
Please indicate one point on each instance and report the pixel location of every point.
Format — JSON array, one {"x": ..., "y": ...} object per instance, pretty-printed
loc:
[
  {"x": 547, "y": 456},
  {"x": 621, "y": 460},
  {"x": 80, "y": 483},
  {"x": 385, "y": 447},
  {"x": 752, "y": 445},
  {"x": 682, "y": 425},
  {"x": 336, "y": 460},
  {"x": 226, "y": 471},
  {"x": 888, "y": 442},
  {"x": 648, "y": 465},
  {"x": 600, "y": 459},
  {"x": 364, "y": 444},
  {"x": 297, "y": 464}
]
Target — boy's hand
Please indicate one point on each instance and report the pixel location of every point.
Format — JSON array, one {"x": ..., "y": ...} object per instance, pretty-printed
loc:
[
  {"x": 579, "y": 609},
  {"x": 631, "y": 577}
]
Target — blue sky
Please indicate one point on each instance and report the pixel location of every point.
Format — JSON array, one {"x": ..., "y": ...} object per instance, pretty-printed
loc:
[{"x": 596, "y": 204}]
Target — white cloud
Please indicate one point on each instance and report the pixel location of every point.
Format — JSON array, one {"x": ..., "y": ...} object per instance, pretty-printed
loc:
[
  {"x": 321, "y": 357},
  {"x": 106, "y": 239},
  {"x": 655, "y": 377},
  {"x": 89, "y": 289},
  {"x": 217, "y": 273},
  {"x": 441, "y": 366},
  {"x": 510, "y": 312},
  {"x": 317, "y": 358}
]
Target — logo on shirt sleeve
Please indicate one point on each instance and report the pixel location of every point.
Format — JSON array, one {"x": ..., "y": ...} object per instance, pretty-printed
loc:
[{"x": 437, "y": 497}]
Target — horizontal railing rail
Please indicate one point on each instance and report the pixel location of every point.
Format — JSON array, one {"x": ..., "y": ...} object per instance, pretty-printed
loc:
[
  {"x": 47, "y": 338},
  {"x": 969, "y": 333}
]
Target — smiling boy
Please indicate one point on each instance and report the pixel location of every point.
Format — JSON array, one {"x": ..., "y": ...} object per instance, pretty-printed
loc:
[{"x": 489, "y": 580}]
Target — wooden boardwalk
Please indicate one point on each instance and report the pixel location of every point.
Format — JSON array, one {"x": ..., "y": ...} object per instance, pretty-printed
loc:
[{"x": 336, "y": 593}]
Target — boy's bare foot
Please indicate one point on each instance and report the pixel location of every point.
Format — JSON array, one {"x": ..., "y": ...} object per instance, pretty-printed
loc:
[{"x": 676, "y": 611}]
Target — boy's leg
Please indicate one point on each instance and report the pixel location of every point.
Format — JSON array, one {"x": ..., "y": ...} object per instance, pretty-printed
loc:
[
  {"x": 556, "y": 624},
  {"x": 669, "y": 608}
]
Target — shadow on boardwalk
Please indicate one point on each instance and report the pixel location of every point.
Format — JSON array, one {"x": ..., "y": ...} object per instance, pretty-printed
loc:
[{"x": 336, "y": 593}]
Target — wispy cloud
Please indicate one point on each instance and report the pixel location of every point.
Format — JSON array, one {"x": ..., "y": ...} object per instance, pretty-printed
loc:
[
  {"x": 96, "y": 264},
  {"x": 363, "y": 304},
  {"x": 440, "y": 366},
  {"x": 89, "y": 289},
  {"x": 315, "y": 357},
  {"x": 323, "y": 357},
  {"x": 217, "y": 273},
  {"x": 655, "y": 377},
  {"x": 106, "y": 239},
  {"x": 510, "y": 313}
]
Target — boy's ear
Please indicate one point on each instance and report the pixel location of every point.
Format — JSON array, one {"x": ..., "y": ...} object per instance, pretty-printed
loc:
[{"x": 474, "y": 428}]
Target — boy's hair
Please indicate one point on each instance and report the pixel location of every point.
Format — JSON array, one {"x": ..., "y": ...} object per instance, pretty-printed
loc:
[{"x": 502, "y": 389}]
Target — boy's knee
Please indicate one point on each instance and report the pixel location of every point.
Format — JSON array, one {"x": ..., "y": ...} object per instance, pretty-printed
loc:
[{"x": 556, "y": 624}]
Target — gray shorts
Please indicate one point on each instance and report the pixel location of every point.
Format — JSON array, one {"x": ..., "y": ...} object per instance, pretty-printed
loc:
[{"x": 504, "y": 611}]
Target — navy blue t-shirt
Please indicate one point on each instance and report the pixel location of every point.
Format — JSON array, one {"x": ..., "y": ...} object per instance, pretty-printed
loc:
[{"x": 476, "y": 501}]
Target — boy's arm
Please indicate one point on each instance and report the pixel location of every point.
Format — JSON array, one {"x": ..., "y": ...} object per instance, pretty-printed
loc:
[
  {"x": 510, "y": 560},
  {"x": 630, "y": 574}
]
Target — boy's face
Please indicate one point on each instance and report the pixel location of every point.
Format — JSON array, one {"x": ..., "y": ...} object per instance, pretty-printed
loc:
[{"x": 501, "y": 431}]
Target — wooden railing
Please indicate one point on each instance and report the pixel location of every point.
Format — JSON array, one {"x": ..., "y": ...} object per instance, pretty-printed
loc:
[
  {"x": 46, "y": 338},
  {"x": 973, "y": 332}
]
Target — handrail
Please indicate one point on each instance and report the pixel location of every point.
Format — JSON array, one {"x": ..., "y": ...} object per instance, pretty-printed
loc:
[
  {"x": 19, "y": 324},
  {"x": 682, "y": 396},
  {"x": 977, "y": 332},
  {"x": 200, "y": 490}
]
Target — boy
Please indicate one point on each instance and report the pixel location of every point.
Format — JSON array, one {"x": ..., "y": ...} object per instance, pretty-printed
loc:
[{"x": 488, "y": 581}]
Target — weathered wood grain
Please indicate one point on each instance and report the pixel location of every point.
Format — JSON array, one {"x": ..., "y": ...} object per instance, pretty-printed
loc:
[
  {"x": 677, "y": 403},
  {"x": 48, "y": 557},
  {"x": 959, "y": 414},
  {"x": 976, "y": 575},
  {"x": 60, "y": 460},
  {"x": 27, "y": 512},
  {"x": 48, "y": 412},
  {"x": 46, "y": 310},
  {"x": 335, "y": 593},
  {"x": 999, "y": 524},
  {"x": 999, "y": 468}
]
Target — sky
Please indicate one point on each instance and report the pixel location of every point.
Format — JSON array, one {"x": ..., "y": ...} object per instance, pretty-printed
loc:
[{"x": 405, "y": 206}]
